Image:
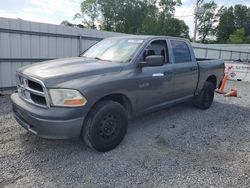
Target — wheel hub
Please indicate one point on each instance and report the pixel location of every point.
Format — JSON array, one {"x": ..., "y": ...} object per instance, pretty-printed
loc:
[{"x": 108, "y": 126}]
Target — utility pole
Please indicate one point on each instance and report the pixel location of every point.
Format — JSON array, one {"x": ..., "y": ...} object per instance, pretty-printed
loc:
[{"x": 196, "y": 12}]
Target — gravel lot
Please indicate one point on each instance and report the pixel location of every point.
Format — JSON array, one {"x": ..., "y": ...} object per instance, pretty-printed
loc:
[{"x": 178, "y": 147}]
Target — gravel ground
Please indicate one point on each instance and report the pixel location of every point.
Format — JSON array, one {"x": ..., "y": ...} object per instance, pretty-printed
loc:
[{"x": 178, "y": 147}]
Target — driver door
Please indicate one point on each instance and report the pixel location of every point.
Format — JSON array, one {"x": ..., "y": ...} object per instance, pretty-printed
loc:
[{"x": 155, "y": 83}]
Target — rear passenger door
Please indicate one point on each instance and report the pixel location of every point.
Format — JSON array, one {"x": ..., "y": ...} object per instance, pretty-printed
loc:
[{"x": 185, "y": 70}]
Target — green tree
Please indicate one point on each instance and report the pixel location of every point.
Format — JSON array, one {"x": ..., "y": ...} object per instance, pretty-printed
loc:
[
  {"x": 124, "y": 15},
  {"x": 242, "y": 18},
  {"x": 179, "y": 28},
  {"x": 89, "y": 14},
  {"x": 66, "y": 23},
  {"x": 150, "y": 22},
  {"x": 168, "y": 6},
  {"x": 168, "y": 25},
  {"x": 226, "y": 24},
  {"x": 231, "y": 19},
  {"x": 159, "y": 20},
  {"x": 238, "y": 37},
  {"x": 109, "y": 12},
  {"x": 154, "y": 17},
  {"x": 131, "y": 17},
  {"x": 207, "y": 20}
]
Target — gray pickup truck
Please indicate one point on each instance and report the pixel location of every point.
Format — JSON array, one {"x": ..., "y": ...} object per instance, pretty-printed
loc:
[{"x": 94, "y": 95}]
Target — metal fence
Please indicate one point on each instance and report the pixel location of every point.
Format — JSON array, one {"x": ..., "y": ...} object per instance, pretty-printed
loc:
[
  {"x": 24, "y": 42},
  {"x": 204, "y": 51}
]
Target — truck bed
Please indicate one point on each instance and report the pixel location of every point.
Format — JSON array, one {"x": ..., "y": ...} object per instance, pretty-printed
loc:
[{"x": 209, "y": 67}]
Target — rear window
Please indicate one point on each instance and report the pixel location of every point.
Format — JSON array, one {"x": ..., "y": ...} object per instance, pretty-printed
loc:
[{"x": 181, "y": 51}]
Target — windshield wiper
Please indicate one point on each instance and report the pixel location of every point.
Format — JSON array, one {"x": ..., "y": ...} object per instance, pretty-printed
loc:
[
  {"x": 97, "y": 58},
  {"x": 101, "y": 59}
]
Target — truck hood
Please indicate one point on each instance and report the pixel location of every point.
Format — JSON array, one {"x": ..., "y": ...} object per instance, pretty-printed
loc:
[{"x": 70, "y": 68}]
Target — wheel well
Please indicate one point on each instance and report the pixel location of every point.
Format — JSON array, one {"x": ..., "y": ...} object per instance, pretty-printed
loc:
[
  {"x": 122, "y": 99},
  {"x": 212, "y": 79}
]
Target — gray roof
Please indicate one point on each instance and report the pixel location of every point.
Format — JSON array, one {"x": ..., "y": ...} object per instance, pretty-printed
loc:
[{"x": 149, "y": 37}]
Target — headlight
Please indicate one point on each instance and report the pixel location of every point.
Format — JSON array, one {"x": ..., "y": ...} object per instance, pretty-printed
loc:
[{"x": 67, "y": 97}]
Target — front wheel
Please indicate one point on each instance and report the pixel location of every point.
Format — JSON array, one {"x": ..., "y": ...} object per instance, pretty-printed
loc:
[
  {"x": 206, "y": 96},
  {"x": 105, "y": 126}
]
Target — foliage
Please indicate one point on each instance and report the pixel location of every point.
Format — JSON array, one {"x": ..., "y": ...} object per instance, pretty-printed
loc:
[
  {"x": 207, "y": 20},
  {"x": 242, "y": 17},
  {"x": 89, "y": 14},
  {"x": 133, "y": 16},
  {"x": 238, "y": 37},
  {"x": 66, "y": 23},
  {"x": 232, "y": 22},
  {"x": 156, "y": 17},
  {"x": 168, "y": 6},
  {"x": 226, "y": 24}
]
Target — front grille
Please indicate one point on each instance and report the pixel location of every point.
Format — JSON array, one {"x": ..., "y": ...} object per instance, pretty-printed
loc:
[
  {"x": 32, "y": 91},
  {"x": 38, "y": 99},
  {"x": 35, "y": 86}
]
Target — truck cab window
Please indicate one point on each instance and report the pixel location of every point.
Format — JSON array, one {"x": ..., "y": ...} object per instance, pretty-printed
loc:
[
  {"x": 157, "y": 47},
  {"x": 181, "y": 51}
]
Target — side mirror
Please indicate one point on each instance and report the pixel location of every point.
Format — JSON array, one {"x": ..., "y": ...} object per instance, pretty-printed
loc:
[{"x": 152, "y": 61}]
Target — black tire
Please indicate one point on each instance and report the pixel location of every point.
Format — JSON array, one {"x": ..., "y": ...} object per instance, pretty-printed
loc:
[
  {"x": 205, "y": 98},
  {"x": 105, "y": 126}
]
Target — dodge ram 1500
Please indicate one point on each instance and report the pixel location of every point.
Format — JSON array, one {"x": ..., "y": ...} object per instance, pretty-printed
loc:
[{"x": 92, "y": 96}]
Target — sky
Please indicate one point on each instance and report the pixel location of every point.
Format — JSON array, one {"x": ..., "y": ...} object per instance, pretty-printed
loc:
[
  {"x": 55, "y": 11},
  {"x": 186, "y": 11}
]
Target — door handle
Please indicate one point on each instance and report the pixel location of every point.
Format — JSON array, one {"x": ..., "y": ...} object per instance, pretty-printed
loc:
[
  {"x": 166, "y": 73},
  {"x": 157, "y": 74}
]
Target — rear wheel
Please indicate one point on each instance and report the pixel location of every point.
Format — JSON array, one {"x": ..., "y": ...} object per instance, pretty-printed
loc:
[
  {"x": 205, "y": 98},
  {"x": 105, "y": 126}
]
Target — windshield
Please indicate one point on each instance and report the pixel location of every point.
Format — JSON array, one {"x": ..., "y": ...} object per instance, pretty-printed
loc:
[{"x": 114, "y": 49}]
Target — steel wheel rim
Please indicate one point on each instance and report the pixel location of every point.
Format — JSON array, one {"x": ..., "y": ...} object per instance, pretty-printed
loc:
[{"x": 109, "y": 126}]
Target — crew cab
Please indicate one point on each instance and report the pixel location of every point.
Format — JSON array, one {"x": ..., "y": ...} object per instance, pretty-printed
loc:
[{"x": 92, "y": 96}]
